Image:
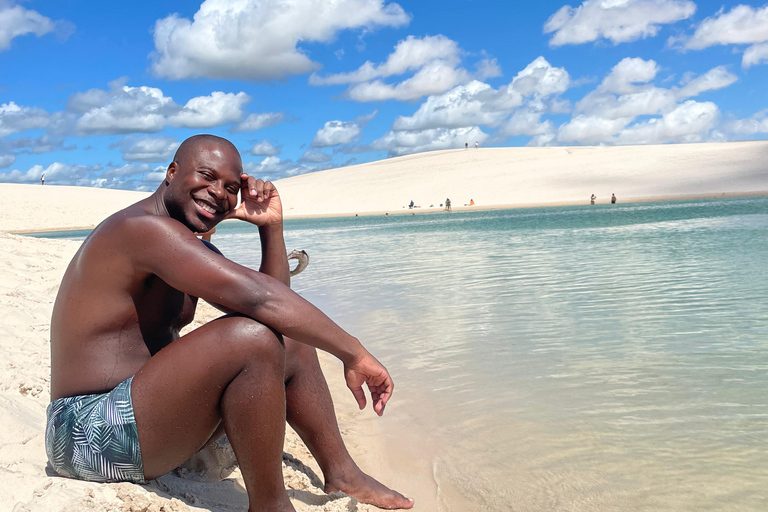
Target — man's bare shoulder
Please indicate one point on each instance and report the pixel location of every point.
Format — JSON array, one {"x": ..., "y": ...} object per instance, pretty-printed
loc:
[{"x": 135, "y": 224}]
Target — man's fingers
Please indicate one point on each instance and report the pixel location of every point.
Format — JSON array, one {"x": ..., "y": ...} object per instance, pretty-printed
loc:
[{"x": 359, "y": 396}]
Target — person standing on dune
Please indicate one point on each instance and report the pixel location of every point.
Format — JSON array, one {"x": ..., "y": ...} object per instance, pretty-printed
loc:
[{"x": 132, "y": 399}]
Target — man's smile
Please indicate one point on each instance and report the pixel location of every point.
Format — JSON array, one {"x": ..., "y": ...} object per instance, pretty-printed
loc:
[{"x": 209, "y": 208}]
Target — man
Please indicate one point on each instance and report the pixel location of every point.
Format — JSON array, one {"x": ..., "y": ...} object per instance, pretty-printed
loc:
[{"x": 131, "y": 400}]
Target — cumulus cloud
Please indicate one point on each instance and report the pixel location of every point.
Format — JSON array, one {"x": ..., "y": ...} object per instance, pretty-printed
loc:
[
  {"x": 334, "y": 133},
  {"x": 256, "y": 122},
  {"x": 757, "y": 123},
  {"x": 273, "y": 168},
  {"x": 147, "y": 149},
  {"x": 128, "y": 176},
  {"x": 618, "y": 21},
  {"x": 397, "y": 143},
  {"x": 15, "y": 118},
  {"x": 477, "y": 103},
  {"x": 742, "y": 25},
  {"x": 258, "y": 39},
  {"x": 688, "y": 122},
  {"x": 433, "y": 60},
  {"x": 606, "y": 115},
  {"x": 17, "y": 21},
  {"x": 208, "y": 111},
  {"x": 265, "y": 148},
  {"x": 124, "y": 109},
  {"x": 60, "y": 173},
  {"x": 409, "y": 54}
]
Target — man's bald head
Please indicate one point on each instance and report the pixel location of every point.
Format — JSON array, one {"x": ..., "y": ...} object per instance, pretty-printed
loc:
[{"x": 196, "y": 143}]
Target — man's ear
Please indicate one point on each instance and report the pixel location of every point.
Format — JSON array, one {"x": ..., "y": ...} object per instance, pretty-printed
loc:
[{"x": 170, "y": 173}]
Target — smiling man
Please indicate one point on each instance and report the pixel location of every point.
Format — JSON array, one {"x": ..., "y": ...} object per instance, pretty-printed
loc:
[{"x": 131, "y": 399}]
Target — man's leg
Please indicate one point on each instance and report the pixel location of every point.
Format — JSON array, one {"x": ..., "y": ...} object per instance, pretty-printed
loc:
[
  {"x": 231, "y": 370},
  {"x": 310, "y": 413}
]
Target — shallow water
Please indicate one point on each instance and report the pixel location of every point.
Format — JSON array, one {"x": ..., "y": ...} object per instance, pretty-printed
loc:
[{"x": 600, "y": 358}]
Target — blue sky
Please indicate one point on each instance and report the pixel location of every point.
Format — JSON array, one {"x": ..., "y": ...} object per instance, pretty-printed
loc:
[{"x": 101, "y": 93}]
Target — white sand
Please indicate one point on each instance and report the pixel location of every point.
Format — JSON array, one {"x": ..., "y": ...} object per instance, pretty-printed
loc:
[
  {"x": 498, "y": 177},
  {"x": 32, "y": 268}
]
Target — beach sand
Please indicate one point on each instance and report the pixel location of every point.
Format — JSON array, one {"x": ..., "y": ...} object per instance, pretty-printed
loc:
[{"x": 31, "y": 271}]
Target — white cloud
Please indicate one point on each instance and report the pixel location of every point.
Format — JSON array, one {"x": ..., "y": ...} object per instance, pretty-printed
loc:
[
  {"x": 688, "y": 122},
  {"x": 757, "y": 123},
  {"x": 477, "y": 103},
  {"x": 755, "y": 54},
  {"x": 407, "y": 142},
  {"x": 715, "y": 78},
  {"x": 334, "y": 133},
  {"x": 743, "y": 24},
  {"x": 208, "y": 111},
  {"x": 409, "y": 54},
  {"x": 433, "y": 78},
  {"x": 433, "y": 60},
  {"x": 57, "y": 172},
  {"x": 258, "y": 39},
  {"x": 265, "y": 148},
  {"x": 148, "y": 149},
  {"x": 618, "y": 21},
  {"x": 7, "y": 161},
  {"x": 606, "y": 115},
  {"x": 17, "y": 21},
  {"x": 256, "y": 122},
  {"x": 272, "y": 168},
  {"x": 15, "y": 118},
  {"x": 124, "y": 109},
  {"x": 528, "y": 122}
]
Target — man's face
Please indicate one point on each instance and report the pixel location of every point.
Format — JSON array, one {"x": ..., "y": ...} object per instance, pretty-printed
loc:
[{"x": 204, "y": 186}]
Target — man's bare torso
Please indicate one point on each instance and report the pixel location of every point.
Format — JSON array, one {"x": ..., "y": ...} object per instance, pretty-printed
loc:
[{"x": 110, "y": 316}]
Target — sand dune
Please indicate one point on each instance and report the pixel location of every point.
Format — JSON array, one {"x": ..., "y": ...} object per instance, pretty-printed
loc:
[{"x": 531, "y": 176}]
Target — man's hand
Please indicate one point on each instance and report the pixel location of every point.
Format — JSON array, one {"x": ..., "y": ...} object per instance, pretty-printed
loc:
[
  {"x": 260, "y": 203},
  {"x": 366, "y": 369}
]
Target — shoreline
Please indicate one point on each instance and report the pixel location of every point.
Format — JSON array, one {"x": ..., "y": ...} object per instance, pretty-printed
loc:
[{"x": 417, "y": 210}]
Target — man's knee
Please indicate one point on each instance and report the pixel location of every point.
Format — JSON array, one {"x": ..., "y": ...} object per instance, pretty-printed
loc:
[{"x": 249, "y": 339}]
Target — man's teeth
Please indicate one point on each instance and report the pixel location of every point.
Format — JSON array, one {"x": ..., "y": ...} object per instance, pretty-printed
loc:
[{"x": 206, "y": 207}]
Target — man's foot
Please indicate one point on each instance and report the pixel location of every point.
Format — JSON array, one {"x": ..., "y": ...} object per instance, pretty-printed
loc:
[{"x": 368, "y": 490}]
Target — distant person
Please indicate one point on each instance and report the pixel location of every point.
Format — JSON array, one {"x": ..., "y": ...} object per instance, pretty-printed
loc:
[
  {"x": 466, "y": 145},
  {"x": 471, "y": 202},
  {"x": 42, "y": 179},
  {"x": 386, "y": 214},
  {"x": 410, "y": 206},
  {"x": 447, "y": 204},
  {"x": 592, "y": 199},
  {"x": 613, "y": 198},
  {"x": 476, "y": 145}
]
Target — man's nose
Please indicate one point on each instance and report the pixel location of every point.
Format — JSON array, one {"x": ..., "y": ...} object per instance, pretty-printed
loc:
[{"x": 217, "y": 189}]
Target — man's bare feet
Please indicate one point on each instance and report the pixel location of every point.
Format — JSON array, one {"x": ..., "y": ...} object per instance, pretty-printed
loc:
[{"x": 368, "y": 490}]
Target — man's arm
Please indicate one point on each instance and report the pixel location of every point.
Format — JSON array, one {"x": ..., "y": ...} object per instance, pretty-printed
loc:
[
  {"x": 169, "y": 250},
  {"x": 260, "y": 205},
  {"x": 274, "y": 260}
]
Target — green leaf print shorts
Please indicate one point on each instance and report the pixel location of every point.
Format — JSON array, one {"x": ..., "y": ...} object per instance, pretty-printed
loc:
[{"x": 94, "y": 437}]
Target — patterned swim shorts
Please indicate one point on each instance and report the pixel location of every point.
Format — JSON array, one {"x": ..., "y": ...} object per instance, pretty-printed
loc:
[{"x": 94, "y": 437}]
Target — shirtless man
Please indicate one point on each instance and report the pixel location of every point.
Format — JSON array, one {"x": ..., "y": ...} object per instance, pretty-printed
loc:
[{"x": 132, "y": 400}]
